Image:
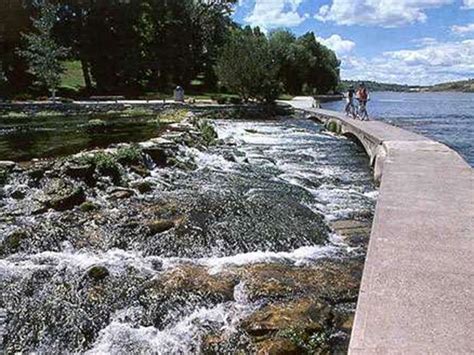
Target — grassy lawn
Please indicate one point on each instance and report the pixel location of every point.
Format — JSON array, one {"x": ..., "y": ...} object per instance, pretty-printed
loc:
[{"x": 72, "y": 77}]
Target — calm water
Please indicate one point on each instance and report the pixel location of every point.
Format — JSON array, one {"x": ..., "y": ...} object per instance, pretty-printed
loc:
[
  {"x": 25, "y": 139},
  {"x": 445, "y": 117}
]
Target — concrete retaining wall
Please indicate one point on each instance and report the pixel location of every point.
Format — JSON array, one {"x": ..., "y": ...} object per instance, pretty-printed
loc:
[{"x": 417, "y": 289}]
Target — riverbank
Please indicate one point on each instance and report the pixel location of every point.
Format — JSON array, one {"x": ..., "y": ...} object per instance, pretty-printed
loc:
[{"x": 186, "y": 243}]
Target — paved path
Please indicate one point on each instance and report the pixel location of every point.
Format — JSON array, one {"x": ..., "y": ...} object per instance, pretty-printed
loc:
[{"x": 417, "y": 290}]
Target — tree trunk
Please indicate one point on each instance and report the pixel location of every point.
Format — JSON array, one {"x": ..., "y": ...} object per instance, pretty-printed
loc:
[
  {"x": 86, "y": 74},
  {"x": 53, "y": 92}
]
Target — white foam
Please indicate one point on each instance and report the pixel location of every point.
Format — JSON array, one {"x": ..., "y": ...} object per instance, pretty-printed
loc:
[{"x": 182, "y": 337}]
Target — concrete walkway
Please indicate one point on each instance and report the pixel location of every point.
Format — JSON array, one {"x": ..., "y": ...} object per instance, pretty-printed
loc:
[{"x": 417, "y": 290}]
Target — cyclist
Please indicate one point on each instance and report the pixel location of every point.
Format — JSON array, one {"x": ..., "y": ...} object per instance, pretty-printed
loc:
[
  {"x": 363, "y": 97},
  {"x": 350, "y": 108}
]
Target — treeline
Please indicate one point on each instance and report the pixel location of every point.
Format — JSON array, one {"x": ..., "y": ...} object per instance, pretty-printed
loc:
[
  {"x": 459, "y": 86},
  {"x": 374, "y": 86},
  {"x": 130, "y": 47}
]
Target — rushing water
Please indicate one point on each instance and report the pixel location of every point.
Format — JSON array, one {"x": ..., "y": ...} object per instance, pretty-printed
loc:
[
  {"x": 444, "y": 116},
  {"x": 251, "y": 227}
]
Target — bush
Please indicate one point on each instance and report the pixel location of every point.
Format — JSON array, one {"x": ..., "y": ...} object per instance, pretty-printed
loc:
[
  {"x": 208, "y": 133},
  {"x": 221, "y": 100},
  {"x": 172, "y": 116},
  {"x": 129, "y": 155},
  {"x": 235, "y": 100},
  {"x": 104, "y": 163},
  {"x": 96, "y": 126},
  {"x": 23, "y": 97}
]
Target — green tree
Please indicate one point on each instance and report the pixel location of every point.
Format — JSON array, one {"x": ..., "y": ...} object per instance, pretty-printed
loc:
[
  {"x": 305, "y": 65},
  {"x": 42, "y": 53},
  {"x": 246, "y": 66}
]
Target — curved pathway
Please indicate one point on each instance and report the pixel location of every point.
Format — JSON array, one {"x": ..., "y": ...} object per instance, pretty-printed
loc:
[{"x": 417, "y": 290}]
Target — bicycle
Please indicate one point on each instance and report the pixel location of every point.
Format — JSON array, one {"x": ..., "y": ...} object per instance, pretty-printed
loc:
[
  {"x": 350, "y": 110},
  {"x": 362, "y": 113}
]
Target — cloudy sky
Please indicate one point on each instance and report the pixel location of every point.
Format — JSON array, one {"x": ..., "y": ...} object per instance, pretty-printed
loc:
[{"x": 398, "y": 41}]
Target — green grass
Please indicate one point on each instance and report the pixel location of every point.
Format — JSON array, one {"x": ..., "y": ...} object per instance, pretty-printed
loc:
[{"x": 73, "y": 77}]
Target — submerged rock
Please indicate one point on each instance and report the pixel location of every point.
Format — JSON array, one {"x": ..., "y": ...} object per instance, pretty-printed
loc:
[
  {"x": 12, "y": 243},
  {"x": 330, "y": 280},
  {"x": 308, "y": 314},
  {"x": 88, "y": 206},
  {"x": 160, "y": 226},
  {"x": 98, "y": 272},
  {"x": 121, "y": 193},
  {"x": 278, "y": 346},
  {"x": 197, "y": 280},
  {"x": 231, "y": 223},
  {"x": 18, "y": 194}
]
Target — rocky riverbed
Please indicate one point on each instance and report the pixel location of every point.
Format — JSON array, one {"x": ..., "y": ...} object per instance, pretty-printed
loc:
[{"x": 216, "y": 237}]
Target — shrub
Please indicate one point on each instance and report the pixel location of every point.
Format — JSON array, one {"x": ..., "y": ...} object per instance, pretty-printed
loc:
[
  {"x": 96, "y": 126},
  {"x": 235, "y": 100},
  {"x": 104, "y": 163},
  {"x": 208, "y": 133},
  {"x": 221, "y": 100},
  {"x": 172, "y": 116},
  {"x": 129, "y": 155}
]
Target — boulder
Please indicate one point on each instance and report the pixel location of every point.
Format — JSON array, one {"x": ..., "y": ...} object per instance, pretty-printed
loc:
[
  {"x": 7, "y": 165},
  {"x": 158, "y": 155},
  {"x": 79, "y": 171},
  {"x": 61, "y": 195},
  {"x": 142, "y": 186},
  {"x": 18, "y": 194}
]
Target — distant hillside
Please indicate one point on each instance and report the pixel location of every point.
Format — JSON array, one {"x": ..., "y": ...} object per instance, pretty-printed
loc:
[
  {"x": 460, "y": 86},
  {"x": 376, "y": 86},
  {"x": 463, "y": 86}
]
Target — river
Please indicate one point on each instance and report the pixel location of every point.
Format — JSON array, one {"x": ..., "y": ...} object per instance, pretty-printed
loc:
[
  {"x": 247, "y": 257},
  {"x": 447, "y": 117}
]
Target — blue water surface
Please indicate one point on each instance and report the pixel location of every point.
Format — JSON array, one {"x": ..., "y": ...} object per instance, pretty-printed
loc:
[{"x": 447, "y": 117}]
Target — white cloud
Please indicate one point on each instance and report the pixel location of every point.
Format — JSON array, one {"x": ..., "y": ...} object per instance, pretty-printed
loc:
[
  {"x": 337, "y": 44},
  {"x": 462, "y": 30},
  {"x": 468, "y": 4},
  {"x": 430, "y": 64},
  {"x": 276, "y": 13},
  {"x": 386, "y": 13}
]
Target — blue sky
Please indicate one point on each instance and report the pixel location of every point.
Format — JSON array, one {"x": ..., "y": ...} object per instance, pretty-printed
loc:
[{"x": 401, "y": 41}]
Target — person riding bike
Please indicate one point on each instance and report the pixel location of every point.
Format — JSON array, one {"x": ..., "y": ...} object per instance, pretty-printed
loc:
[
  {"x": 350, "y": 108},
  {"x": 362, "y": 97}
]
